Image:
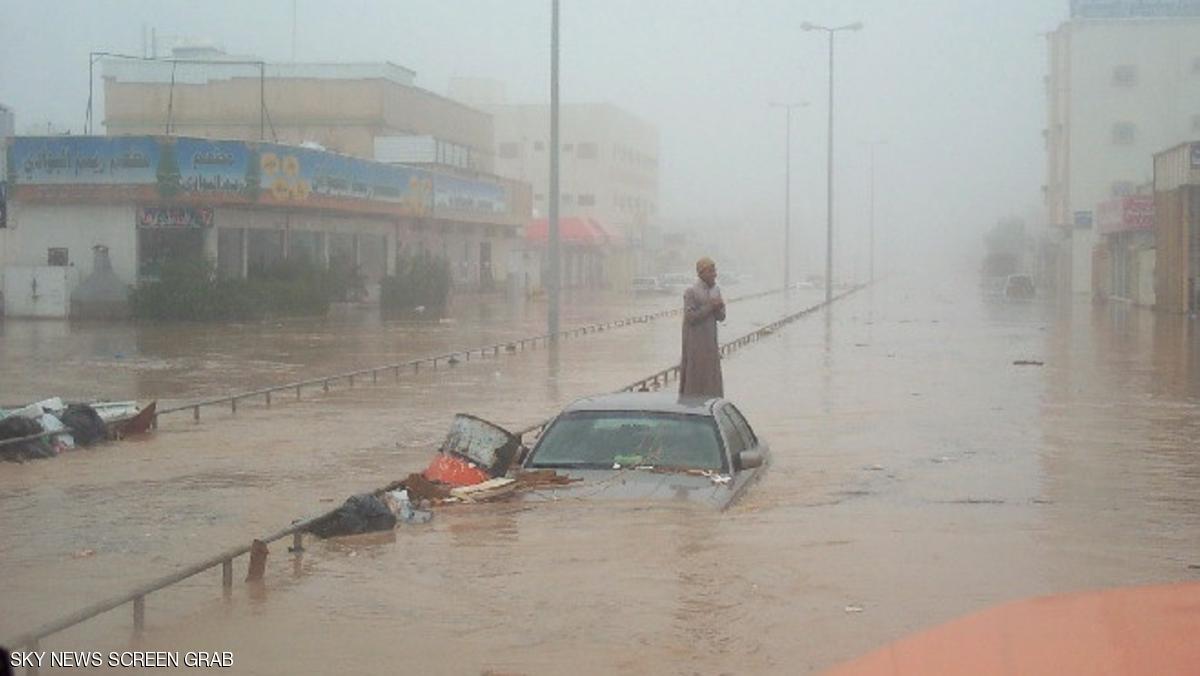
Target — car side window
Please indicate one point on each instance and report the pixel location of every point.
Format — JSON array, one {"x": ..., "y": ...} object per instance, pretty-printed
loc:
[
  {"x": 734, "y": 443},
  {"x": 739, "y": 421}
]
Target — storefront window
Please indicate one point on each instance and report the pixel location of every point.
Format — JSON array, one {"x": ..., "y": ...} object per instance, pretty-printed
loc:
[{"x": 159, "y": 246}]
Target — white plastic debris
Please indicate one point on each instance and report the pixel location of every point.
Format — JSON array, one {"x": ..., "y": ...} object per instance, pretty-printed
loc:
[{"x": 854, "y": 609}]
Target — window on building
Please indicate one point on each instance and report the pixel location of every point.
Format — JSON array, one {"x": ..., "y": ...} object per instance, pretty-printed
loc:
[
  {"x": 587, "y": 200},
  {"x": 538, "y": 146},
  {"x": 57, "y": 257},
  {"x": 1123, "y": 133},
  {"x": 1125, "y": 75},
  {"x": 510, "y": 150},
  {"x": 587, "y": 151}
]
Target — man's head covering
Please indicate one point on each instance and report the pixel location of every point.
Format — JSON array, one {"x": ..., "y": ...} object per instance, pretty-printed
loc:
[{"x": 704, "y": 264}]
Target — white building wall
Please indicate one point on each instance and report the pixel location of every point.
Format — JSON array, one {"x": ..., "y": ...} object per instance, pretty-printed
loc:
[
  {"x": 35, "y": 228},
  {"x": 1161, "y": 103}
]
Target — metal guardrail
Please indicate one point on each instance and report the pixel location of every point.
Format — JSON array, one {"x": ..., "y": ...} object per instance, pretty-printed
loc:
[
  {"x": 449, "y": 358},
  {"x": 31, "y": 640}
]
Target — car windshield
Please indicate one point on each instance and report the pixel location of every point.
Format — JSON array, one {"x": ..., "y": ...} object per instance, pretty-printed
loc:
[{"x": 602, "y": 439}]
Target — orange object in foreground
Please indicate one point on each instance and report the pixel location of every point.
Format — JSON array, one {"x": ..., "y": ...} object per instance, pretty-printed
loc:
[
  {"x": 455, "y": 471},
  {"x": 1127, "y": 631}
]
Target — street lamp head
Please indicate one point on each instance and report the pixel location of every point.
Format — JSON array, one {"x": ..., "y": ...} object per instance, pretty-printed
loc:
[
  {"x": 856, "y": 26},
  {"x": 806, "y": 26}
]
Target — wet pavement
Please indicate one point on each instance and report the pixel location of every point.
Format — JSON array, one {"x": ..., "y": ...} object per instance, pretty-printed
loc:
[
  {"x": 172, "y": 361},
  {"x": 919, "y": 475}
]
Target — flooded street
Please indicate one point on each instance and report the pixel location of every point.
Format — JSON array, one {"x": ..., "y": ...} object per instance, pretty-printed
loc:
[
  {"x": 85, "y": 360},
  {"x": 918, "y": 475}
]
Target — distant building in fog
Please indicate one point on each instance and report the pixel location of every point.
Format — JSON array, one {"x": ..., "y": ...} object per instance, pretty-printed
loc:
[
  {"x": 609, "y": 157},
  {"x": 1121, "y": 86}
]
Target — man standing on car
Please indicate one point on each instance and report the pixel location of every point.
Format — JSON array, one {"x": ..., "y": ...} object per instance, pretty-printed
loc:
[{"x": 700, "y": 365}]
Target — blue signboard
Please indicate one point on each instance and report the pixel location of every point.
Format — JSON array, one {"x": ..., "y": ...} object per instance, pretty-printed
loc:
[
  {"x": 459, "y": 194},
  {"x": 79, "y": 160},
  {"x": 212, "y": 166},
  {"x": 184, "y": 166}
]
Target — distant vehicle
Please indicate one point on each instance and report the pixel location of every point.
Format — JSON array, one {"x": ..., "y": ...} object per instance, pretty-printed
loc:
[
  {"x": 651, "y": 446},
  {"x": 1019, "y": 287},
  {"x": 676, "y": 281},
  {"x": 646, "y": 285}
]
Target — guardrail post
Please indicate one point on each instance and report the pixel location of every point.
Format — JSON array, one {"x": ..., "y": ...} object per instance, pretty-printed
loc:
[
  {"x": 397, "y": 374},
  {"x": 227, "y": 576},
  {"x": 233, "y": 404},
  {"x": 416, "y": 366},
  {"x": 268, "y": 398},
  {"x": 139, "y": 614},
  {"x": 374, "y": 377},
  {"x": 196, "y": 413},
  {"x": 297, "y": 392},
  {"x": 297, "y": 543}
]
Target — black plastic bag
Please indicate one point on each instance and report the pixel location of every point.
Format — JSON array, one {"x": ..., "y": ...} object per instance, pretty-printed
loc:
[{"x": 363, "y": 513}]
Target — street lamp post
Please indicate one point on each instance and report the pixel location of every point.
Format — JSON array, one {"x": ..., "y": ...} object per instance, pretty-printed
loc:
[
  {"x": 806, "y": 26},
  {"x": 787, "y": 194},
  {"x": 554, "y": 267}
]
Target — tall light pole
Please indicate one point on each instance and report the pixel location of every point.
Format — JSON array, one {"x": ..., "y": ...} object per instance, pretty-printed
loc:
[
  {"x": 874, "y": 145},
  {"x": 787, "y": 194},
  {"x": 553, "y": 267},
  {"x": 806, "y": 26}
]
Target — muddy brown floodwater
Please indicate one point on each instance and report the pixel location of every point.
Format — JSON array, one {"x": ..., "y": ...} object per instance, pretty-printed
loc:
[{"x": 919, "y": 475}]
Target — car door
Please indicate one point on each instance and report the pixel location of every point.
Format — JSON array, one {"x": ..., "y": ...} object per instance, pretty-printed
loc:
[
  {"x": 743, "y": 427},
  {"x": 735, "y": 442}
]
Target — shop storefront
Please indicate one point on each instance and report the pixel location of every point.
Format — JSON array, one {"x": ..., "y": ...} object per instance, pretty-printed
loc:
[
  {"x": 1124, "y": 262},
  {"x": 246, "y": 207}
]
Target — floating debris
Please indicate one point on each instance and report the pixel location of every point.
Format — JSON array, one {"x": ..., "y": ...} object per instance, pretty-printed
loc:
[
  {"x": 1028, "y": 362},
  {"x": 854, "y": 609}
]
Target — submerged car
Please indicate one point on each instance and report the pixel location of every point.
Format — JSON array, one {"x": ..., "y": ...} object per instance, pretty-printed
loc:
[{"x": 651, "y": 446}]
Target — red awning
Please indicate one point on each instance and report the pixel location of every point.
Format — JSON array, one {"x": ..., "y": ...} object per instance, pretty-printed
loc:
[{"x": 572, "y": 231}]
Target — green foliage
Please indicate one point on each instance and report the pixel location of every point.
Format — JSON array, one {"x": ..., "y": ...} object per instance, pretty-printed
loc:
[
  {"x": 420, "y": 287},
  {"x": 170, "y": 180},
  {"x": 189, "y": 289}
]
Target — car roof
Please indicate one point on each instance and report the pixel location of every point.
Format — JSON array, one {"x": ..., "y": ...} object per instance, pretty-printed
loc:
[{"x": 650, "y": 402}]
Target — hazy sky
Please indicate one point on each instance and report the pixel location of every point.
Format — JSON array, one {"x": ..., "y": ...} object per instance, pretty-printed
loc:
[{"x": 955, "y": 86}]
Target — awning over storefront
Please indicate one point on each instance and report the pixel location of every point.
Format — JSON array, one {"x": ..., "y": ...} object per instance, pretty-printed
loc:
[{"x": 574, "y": 231}]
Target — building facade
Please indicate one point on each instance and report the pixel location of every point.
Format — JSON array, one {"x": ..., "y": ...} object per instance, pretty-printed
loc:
[
  {"x": 1123, "y": 82},
  {"x": 342, "y": 107},
  {"x": 1124, "y": 261},
  {"x": 1177, "y": 229},
  {"x": 244, "y": 205}
]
